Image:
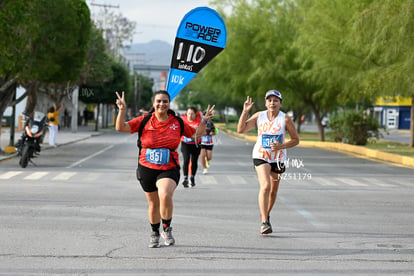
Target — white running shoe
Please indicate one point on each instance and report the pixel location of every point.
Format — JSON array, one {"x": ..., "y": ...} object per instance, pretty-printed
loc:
[
  {"x": 154, "y": 240},
  {"x": 167, "y": 236}
]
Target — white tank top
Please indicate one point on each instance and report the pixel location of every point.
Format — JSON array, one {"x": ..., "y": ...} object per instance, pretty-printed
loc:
[{"x": 267, "y": 132}]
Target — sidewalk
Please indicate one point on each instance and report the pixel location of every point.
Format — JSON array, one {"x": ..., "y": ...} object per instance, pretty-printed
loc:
[{"x": 64, "y": 137}]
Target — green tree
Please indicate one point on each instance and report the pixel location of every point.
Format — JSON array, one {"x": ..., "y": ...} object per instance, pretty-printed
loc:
[
  {"x": 142, "y": 96},
  {"x": 97, "y": 68},
  {"x": 329, "y": 60},
  {"x": 16, "y": 35},
  {"x": 262, "y": 55},
  {"x": 360, "y": 49},
  {"x": 104, "y": 93},
  {"x": 383, "y": 33},
  {"x": 59, "y": 51}
]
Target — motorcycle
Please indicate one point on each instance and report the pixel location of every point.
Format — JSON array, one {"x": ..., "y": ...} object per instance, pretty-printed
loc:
[{"x": 28, "y": 146}]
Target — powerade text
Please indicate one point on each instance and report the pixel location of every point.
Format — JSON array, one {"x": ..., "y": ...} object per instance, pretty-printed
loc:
[{"x": 202, "y": 32}]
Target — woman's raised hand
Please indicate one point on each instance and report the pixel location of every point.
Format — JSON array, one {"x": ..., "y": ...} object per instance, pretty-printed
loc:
[
  {"x": 248, "y": 104},
  {"x": 120, "y": 102}
]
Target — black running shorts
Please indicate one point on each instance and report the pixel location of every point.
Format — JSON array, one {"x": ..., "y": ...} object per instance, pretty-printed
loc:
[
  {"x": 276, "y": 167},
  {"x": 148, "y": 177},
  {"x": 207, "y": 147}
]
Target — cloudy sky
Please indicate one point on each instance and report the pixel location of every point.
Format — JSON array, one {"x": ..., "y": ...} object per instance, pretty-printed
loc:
[{"x": 156, "y": 19}]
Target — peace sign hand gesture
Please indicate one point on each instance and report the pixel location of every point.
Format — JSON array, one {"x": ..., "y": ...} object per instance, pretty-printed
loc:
[
  {"x": 209, "y": 113},
  {"x": 120, "y": 102},
  {"x": 248, "y": 104}
]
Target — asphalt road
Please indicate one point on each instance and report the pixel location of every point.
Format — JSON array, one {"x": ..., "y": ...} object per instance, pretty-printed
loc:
[{"x": 80, "y": 212}]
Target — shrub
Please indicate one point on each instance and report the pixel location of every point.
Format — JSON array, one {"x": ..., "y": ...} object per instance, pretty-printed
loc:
[{"x": 353, "y": 127}]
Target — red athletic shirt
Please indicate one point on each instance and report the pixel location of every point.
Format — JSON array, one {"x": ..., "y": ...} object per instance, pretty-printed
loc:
[
  {"x": 197, "y": 121},
  {"x": 158, "y": 134}
]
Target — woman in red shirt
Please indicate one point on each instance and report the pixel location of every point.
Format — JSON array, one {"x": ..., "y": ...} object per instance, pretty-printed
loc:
[
  {"x": 190, "y": 146},
  {"x": 158, "y": 165}
]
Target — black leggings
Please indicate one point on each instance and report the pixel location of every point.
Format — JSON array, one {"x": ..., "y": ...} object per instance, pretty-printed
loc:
[{"x": 190, "y": 151}]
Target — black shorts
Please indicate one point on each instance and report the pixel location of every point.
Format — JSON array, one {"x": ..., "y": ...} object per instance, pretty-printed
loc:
[
  {"x": 207, "y": 147},
  {"x": 148, "y": 177},
  {"x": 276, "y": 167}
]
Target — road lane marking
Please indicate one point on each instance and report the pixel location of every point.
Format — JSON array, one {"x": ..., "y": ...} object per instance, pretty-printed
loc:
[
  {"x": 9, "y": 175},
  {"x": 64, "y": 176},
  {"x": 35, "y": 175},
  {"x": 90, "y": 157},
  {"x": 306, "y": 214}
]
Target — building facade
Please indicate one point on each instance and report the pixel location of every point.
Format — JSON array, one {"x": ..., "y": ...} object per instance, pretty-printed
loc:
[{"x": 393, "y": 112}]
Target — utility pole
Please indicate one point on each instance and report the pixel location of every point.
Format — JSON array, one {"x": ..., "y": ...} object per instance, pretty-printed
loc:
[
  {"x": 137, "y": 93},
  {"x": 104, "y": 27},
  {"x": 13, "y": 118},
  {"x": 105, "y": 7},
  {"x": 135, "y": 59}
]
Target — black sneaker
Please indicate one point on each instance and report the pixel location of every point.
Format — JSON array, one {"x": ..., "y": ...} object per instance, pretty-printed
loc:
[
  {"x": 185, "y": 183},
  {"x": 265, "y": 228},
  {"x": 192, "y": 181}
]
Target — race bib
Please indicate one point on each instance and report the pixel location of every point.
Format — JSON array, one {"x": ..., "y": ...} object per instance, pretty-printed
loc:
[
  {"x": 188, "y": 140},
  {"x": 268, "y": 139},
  {"x": 159, "y": 156},
  {"x": 206, "y": 139}
]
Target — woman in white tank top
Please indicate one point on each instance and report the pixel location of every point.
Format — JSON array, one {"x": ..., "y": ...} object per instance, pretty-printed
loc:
[{"x": 269, "y": 152}]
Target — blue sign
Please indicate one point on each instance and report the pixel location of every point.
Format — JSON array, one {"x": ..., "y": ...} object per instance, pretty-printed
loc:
[{"x": 200, "y": 37}]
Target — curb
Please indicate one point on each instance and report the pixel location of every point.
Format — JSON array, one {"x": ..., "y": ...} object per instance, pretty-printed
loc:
[
  {"x": 357, "y": 151},
  {"x": 360, "y": 151}
]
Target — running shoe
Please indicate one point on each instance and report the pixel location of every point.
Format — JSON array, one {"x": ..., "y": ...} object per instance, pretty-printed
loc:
[
  {"x": 265, "y": 228},
  {"x": 192, "y": 181},
  {"x": 185, "y": 183},
  {"x": 167, "y": 236},
  {"x": 205, "y": 171},
  {"x": 154, "y": 240}
]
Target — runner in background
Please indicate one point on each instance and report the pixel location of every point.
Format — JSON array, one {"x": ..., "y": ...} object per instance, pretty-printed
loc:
[
  {"x": 190, "y": 148},
  {"x": 207, "y": 144}
]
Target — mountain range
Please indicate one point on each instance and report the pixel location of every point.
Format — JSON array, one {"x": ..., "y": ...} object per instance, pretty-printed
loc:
[{"x": 155, "y": 52}]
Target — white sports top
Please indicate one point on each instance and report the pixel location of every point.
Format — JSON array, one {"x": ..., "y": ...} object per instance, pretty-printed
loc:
[{"x": 267, "y": 132}]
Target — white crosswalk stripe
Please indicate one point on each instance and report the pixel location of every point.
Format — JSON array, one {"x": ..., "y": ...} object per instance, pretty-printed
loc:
[
  {"x": 212, "y": 179},
  {"x": 35, "y": 175},
  {"x": 377, "y": 182},
  {"x": 9, "y": 175},
  {"x": 208, "y": 179},
  {"x": 64, "y": 176},
  {"x": 236, "y": 179},
  {"x": 350, "y": 182},
  {"x": 325, "y": 182}
]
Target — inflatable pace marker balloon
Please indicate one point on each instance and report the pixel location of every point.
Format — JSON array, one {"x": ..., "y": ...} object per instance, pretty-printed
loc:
[{"x": 201, "y": 36}]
